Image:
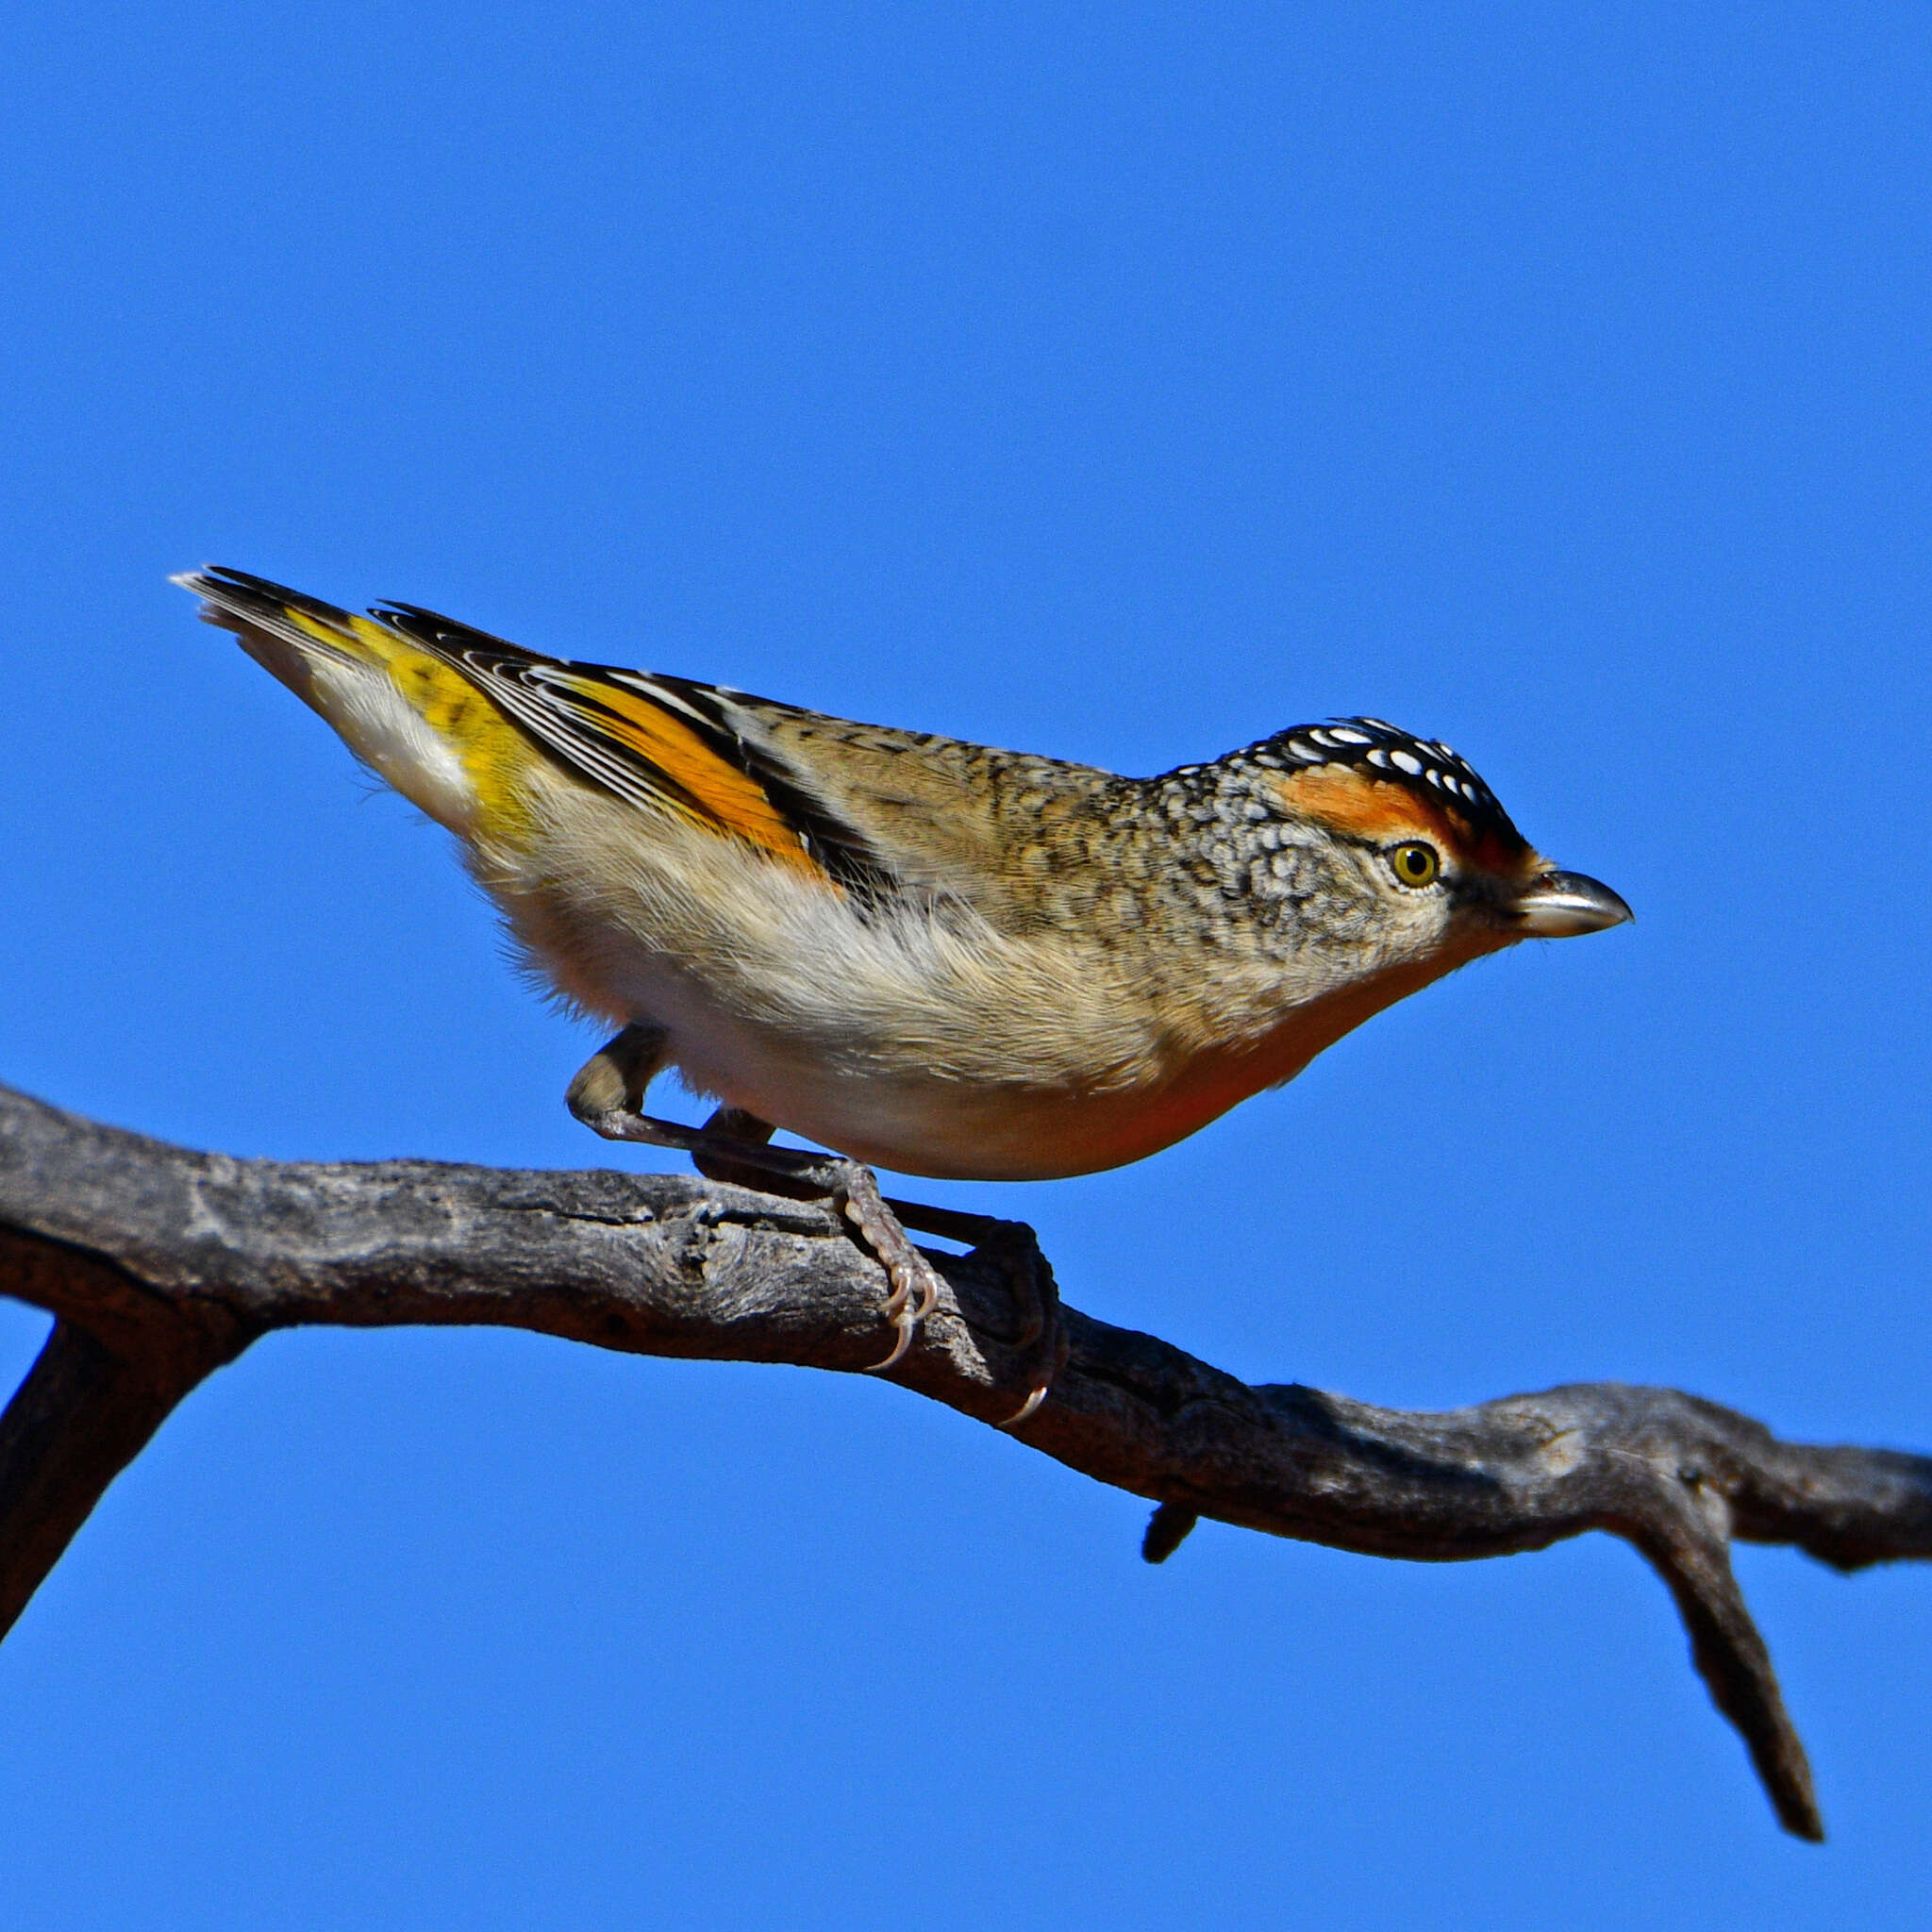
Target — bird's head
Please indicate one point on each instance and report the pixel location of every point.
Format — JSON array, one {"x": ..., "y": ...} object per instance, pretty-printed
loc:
[{"x": 1393, "y": 850}]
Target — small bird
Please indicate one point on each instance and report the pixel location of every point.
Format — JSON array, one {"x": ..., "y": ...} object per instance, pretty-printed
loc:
[{"x": 922, "y": 954}]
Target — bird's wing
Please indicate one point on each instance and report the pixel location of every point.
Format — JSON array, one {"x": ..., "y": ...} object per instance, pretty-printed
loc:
[
  {"x": 659, "y": 743},
  {"x": 874, "y": 810},
  {"x": 878, "y": 809}
]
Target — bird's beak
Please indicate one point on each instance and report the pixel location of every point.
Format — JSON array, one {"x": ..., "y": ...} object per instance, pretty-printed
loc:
[{"x": 1556, "y": 905}]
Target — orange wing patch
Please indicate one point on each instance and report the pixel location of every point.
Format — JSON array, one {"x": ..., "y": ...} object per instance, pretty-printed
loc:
[
  {"x": 663, "y": 745},
  {"x": 722, "y": 790}
]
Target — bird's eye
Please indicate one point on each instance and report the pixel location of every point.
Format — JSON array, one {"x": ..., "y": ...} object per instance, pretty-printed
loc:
[{"x": 1417, "y": 865}]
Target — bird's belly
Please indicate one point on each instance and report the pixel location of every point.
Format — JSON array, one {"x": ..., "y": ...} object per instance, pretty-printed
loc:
[
  {"x": 1006, "y": 1133},
  {"x": 947, "y": 1132},
  {"x": 919, "y": 1123},
  {"x": 970, "y": 1102},
  {"x": 909, "y": 1120}
]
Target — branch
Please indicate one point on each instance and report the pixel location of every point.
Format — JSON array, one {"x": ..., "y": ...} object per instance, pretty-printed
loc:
[{"x": 161, "y": 1264}]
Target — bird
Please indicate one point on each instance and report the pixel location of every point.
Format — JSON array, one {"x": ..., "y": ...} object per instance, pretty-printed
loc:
[{"x": 920, "y": 954}]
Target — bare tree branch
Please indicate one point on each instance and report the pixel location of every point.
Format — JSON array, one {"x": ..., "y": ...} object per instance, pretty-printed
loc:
[{"x": 161, "y": 1264}]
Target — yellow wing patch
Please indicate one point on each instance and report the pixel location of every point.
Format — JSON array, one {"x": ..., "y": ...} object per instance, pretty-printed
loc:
[{"x": 495, "y": 754}]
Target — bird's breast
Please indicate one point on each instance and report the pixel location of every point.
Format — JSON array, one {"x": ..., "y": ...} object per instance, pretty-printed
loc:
[{"x": 905, "y": 1118}]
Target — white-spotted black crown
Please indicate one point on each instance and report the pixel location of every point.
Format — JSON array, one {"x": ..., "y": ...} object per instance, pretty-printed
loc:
[{"x": 1380, "y": 750}]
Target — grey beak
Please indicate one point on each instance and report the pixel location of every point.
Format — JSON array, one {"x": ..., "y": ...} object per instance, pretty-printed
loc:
[{"x": 1557, "y": 905}]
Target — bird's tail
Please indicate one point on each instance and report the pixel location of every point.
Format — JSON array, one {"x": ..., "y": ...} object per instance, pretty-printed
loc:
[
  {"x": 283, "y": 630},
  {"x": 407, "y": 713}
]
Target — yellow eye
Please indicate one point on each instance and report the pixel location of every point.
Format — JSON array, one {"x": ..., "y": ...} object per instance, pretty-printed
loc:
[{"x": 1416, "y": 865}]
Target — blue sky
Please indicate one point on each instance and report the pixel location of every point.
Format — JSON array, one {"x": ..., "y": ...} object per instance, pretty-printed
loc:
[{"x": 1119, "y": 383}]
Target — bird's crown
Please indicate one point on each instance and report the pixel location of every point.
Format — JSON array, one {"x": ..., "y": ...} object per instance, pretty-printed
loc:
[{"x": 1379, "y": 755}]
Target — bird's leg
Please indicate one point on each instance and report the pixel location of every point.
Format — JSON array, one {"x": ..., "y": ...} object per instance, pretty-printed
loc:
[
  {"x": 607, "y": 1096},
  {"x": 722, "y": 1154},
  {"x": 608, "y": 1091},
  {"x": 729, "y": 1129}
]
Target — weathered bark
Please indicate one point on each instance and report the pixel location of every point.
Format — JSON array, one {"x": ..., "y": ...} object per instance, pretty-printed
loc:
[{"x": 161, "y": 1264}]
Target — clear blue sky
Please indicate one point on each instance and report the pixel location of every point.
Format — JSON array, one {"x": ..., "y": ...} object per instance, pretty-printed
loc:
[{"x": 1115, "y": 383}]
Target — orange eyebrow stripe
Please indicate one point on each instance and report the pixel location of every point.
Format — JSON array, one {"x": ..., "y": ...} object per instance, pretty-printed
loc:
[
  {"x": 727, "y": 794},
  {"x": 1365, "y": 807}
]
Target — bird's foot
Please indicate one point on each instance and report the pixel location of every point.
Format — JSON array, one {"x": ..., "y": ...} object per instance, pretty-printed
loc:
[
  {"x": 854, "y": 1191},
  {"x": 1041, "y": 1343},
  {"x": 1009, "y": 1246},
  {"x": 733, "y": 1146}
]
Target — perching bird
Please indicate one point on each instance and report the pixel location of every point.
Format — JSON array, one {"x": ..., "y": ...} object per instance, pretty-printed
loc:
[{"x": 924, "y": 954}]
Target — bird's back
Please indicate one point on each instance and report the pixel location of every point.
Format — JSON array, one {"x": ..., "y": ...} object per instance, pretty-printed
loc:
[{"x": 1009, "y": 833}]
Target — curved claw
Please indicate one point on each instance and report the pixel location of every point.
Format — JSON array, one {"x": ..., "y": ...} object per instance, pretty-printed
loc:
[
  {"x": 896, "y": 1302},
  {"x": 1027, "y": 1409},
  {"x": 905, "y": 1311},
  {"x": 928, "y": 1296},
  {"x": 899, "y": 1348}
]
